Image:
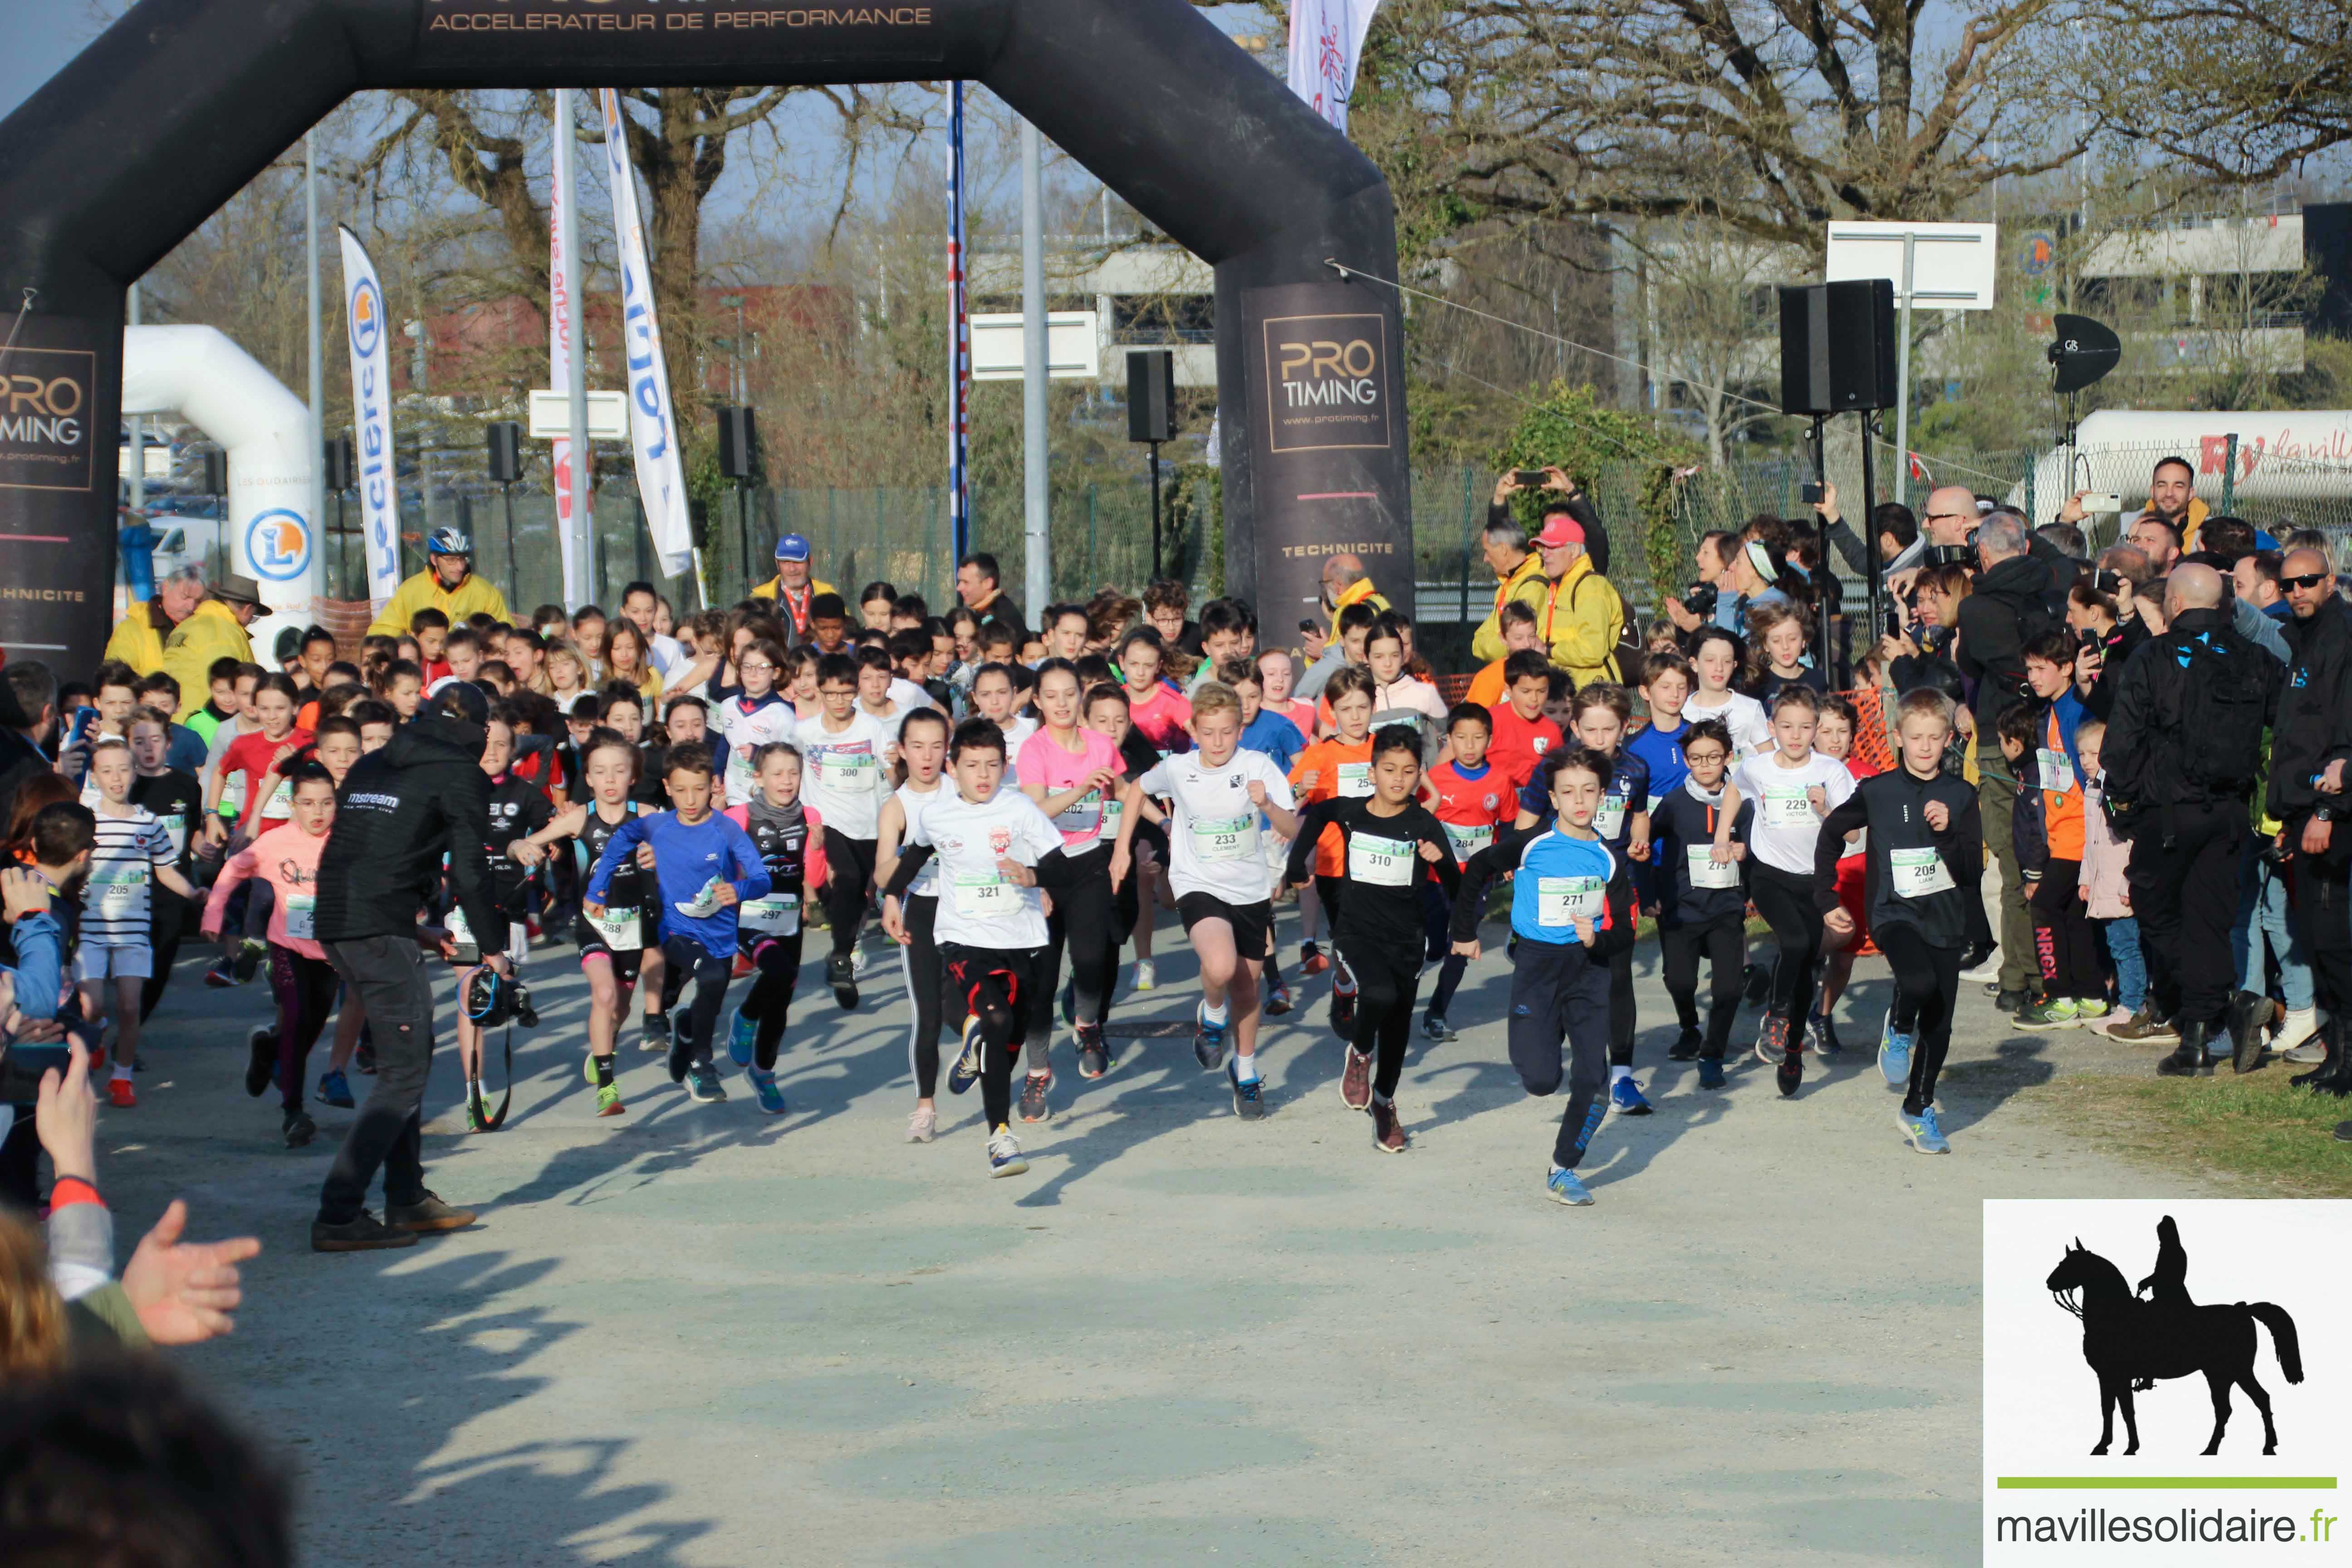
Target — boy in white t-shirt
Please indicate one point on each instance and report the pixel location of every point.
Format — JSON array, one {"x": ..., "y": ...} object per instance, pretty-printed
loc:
[
  {"x": 111, "y": 963},
  {"x": 847, "y": 754}
]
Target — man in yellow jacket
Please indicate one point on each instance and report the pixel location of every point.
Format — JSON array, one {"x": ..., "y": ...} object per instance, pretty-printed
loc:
[
  {"x": 794, "y": 584},
  {"x": 1518, "y": 574},
  {"x": 215, "y": 630},
  {"x": 1346, "y": 583},
  {"x": 447, "y": 585},
  {"x": 139, "y": 637},
  {"x": 1582, "y": 615}
]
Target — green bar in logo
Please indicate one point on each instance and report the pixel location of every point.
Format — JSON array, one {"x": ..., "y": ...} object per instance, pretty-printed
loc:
[{"x": 2166, "y": 1483}]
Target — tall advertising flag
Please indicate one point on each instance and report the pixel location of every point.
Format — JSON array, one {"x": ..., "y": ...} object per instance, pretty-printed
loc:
[
  {"x": 1327, "y": 38},
  {"x": 563, "y": 332},
  {"x": 959, "y": 342},
  {"x": 379, "y": 485},
  {"x": 652, "y": 424}
]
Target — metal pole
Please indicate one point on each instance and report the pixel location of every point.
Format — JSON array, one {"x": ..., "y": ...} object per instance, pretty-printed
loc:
[
  {"x": 1036, "y": 502},
  {"x": 575, "y": 388},
  {"x": 311, "y": 324},
  {"x": 1869, "y": 529},
  {"x": 514, "y": 580},
  {"x": 1903, "y": 378},
  {"x": 138, "y": 434},
  {"x": 1822, "y": 534},
  {"x": 2229, "y": 475},
  {"x": 1155, "y": 511}
]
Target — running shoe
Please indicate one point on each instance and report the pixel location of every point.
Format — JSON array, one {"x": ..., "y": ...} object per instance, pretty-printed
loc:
[
  {"x": 655, "y": 1037},
  {"x": 1004, "y": 1156},
  {"x": 1685, "y": 1046},
  {"x": 2089, "y": 1010},
  {"x": 2143, "y": 1028},
  {"x": 966, "y": 1071},
  {"x": 702, "y": 1083},
  {"x": 842, "y": 976},
  {"x": 1387, "y": 1133},
  {"x": 742, "y": 1037},
  {"x": 1923, "y": 1132},
  {"x": 1094, "y": 1054},
  {"x": 1821, "y": 1036},
  {"x": 1312, "y": 960},
  {"x": 2011, "y": 1001},
  {"x": 1790, "y": 1074},
  {"x": 1710, "y": 1072},
  {"x": 1980, "y": 965},
  {"x": 1894, "y": 1054},
  {"x": 262, "y": 1058},
  {"x": 335, "y": 1090},
  {"x": 681, "y": 1055},
  {"x": 608, "y": 1099},
  {"x": 1772, "y": 1040},
  {"x": 121, "y": 1095},
  {"x": 1356, "y": 1080},
  {"x": 1563, "y": 1187},
  {"x": 1249, "y": 1094},
  {"x": 2048, "y": 1012},
  {"x": 1208, "y": 1039},
  {"x": 298, "y": 1127},
  {"x": 429, "y": 1213},
  {"x": 248, "y": 959},
  {"x": 218, "y": 976},
  {"x": 922, "y": 1124},
  {"x": 859, "y": 960},
  {"x": 477, "y": 1119},
  {"x": 1625, "y": 1095},
  {"x": 1070, "y": 1002},
  {"x": 1034, "y": 1106},
  {"x": 1147, "y": 978},
  {"x": 1434, "y": 1027},
  {"x": 1343, "y": 1015},
  {"x": 1277, "y": 999},
  {"x": 764, "y": 1090}
]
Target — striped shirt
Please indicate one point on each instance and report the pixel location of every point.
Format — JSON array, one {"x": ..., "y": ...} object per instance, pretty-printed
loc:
[{"x": 116, "y": 900}]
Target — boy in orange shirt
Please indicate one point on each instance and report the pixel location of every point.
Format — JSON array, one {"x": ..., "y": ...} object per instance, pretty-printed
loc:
[
  {"x": 2038, "y": 739},
  {"x": 1519, "y": 624},
  {"x": 1340, "y": 766},
  {"x": 1523, "y": 736},
  {"x": 1467, "y": 795}
]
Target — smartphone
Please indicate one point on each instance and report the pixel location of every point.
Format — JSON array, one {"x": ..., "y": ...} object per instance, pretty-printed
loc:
[
  {"x": 83, "y": 718},
  {"x": 21, "y": 1067},
  {"x": 1309, "y": 627},
  {"x": 1530, "y": 478},
  {"x": 1812, "y": 492},
  {"x": 2110, "y": 502}
]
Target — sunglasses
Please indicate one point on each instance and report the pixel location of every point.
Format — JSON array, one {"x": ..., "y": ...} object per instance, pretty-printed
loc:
[{"x": 2308, "y": 580}]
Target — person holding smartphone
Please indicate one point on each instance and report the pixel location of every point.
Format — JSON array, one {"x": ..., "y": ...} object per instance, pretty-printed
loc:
[{"x": 1579, "y": 506}]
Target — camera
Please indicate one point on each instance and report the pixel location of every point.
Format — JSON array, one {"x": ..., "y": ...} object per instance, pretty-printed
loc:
[
  {"x": 1700, "y": 601},
  {"x": 493, "y": 999},
  {"x": 1812, "y": 492},
  {"x": 2098, "y": 506},
  {"x": 2107, "y": 582},
  {"x": 1951, "y": 554}
]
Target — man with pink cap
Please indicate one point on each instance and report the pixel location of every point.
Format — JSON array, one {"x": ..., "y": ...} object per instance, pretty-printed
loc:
[{"x": 1582, "y": 615}]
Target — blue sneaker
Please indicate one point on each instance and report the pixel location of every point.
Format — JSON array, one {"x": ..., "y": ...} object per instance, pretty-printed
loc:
[
  {"x": 1563, "y": 1187},
  {"x": 742, "y": 1036},
  {"x": 1923, "y": 1132},
  {"x": 1249, "y": 1098},
  {"x": 763, "y": 1088},
  {"x": 966, "y": 1071},
  {"x": 1710, "y": 1072},
  {"x": 1894, "y": 1054},
  {"x": 335, "y": 1088},
  {"x": 1004, "y": 1156},
  {"x": 1208, "y": 1039},
  {"x": 1627, "y": 1096}
]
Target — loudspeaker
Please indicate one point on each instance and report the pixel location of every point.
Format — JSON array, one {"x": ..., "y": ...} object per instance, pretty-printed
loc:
[
  {"x": 1151, "y": 395},
  {"x": 506, "y": 451},
  {"x": 739, "y": 442},
  {"x": 1837, "y": 346},
  {"x": 216, "y": 472},
  {"x": 342, "y": 464}
]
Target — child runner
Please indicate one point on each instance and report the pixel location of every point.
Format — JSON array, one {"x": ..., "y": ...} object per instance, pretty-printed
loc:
[
  {"x": 1137, "y": 907},
  {"x": 250, "y": 778},
  {"x": 2074, "y": 972},
  {"x": 1793, "y": 787},
  {"x": 1157, "y": 709},
  {"x": 1224, "y": 889},
  {"x": 1517, "y": 619},
  {"x": 178, "y": 802},
  {"x": 846, "y": 753},
  {"x": 995, "y": 850},
  {"x": 753, "y": 714},
  {"x": 612, "y": 945},
  {"x": 789, "y": 837},
  {"x": 1777, "y": 658},
  {"x": 300, "y": 978},
  {"x": 1338, "y": 768},
  {"x": 1523, "y": 736},
  {"x": 1927, "y": 862},
  {"x": 1834, "y": 738},
  {"x": 1665, "y": 687},
  {"x": 1468, "y": 797},
  {"x": 1715, "y": 660},
  {"x": 704, "y": 866},
  {"x": 1278, "y": 677},
  {"x": 1571, "y": 903},
  {"x": 1390, "y": 841},
  {"x": 996, "y": 697},
  {"x": 1702, "y": 907},
  {"x": 115, "y": 954},
  {"x": 1071, "y": 771},
  {"x": 1279, "y": 741},
  {"x": 519, "y": 810},
  {"x": 923, "y": 754}
]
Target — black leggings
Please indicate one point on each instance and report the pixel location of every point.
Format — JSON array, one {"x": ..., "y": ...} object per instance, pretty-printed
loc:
[
  {"x": 998, "y": 986},
  {"x": 918, "y": 960},
  {"x": 1786, "y": 902},
  {"x": 1927, "y": 984},
  {"x": 2064, "y": 940},
  {"x": 686, "y": 958},
  {"x": 165, "y": 926},
  {"x": 1084, "y": 920},
  {"x": 1724, "y": 942},
  {"x": 1620, "y": 1008},
  {"x": 849, "y": 870},
  {"x": 305, "y": 988},
  {"x": 777, "y": 960},
  {"x": 1388, "y": 980},
  {"x": 1327, "y": 889}
]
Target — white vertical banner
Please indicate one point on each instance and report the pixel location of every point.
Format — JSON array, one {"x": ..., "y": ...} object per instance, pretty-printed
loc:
[
  {"x": 562, "y": 334},
  {"x": 371, "y": 417},
  {"x": 653, "y": 425},
  {"x": 1327, "y": 38}
]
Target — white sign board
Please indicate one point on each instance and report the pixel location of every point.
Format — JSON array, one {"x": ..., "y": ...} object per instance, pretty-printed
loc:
[
  {"x": 1070, "y": 346},
  {"x": 550, "y": 416},
  {"x": 1952, "y": 264}
]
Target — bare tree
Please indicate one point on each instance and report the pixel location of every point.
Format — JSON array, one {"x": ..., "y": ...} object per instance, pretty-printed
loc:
[{"x": 1711, "y": 321}]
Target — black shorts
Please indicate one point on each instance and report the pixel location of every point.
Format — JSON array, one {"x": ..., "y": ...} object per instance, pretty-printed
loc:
[
  {"x": 625, "y": 965},
  {"x": 1252, "y": 923}
]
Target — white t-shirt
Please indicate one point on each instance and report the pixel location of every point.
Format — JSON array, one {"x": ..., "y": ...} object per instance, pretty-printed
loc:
[
  {"x": 915, "y": 803},
  {"x": 978, "y": 908},
  {"x": 1751, "y": 726},
  {"x": 668, "y": 654},
  {"x": 844, "y": 773},
  {"x": 1786, "y": 826},
  {"x": 115, "y": 899},
  {"x": 906, "y": 696},
  {"x": 742, "y": 733},
  {"x": 1213, "y": 831}
]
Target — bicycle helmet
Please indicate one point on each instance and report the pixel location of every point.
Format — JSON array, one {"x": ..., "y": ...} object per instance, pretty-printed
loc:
[{"x": 448, "y": 542}]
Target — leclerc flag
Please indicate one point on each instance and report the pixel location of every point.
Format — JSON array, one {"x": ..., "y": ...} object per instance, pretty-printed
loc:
[
  {"x": 562, "y": 321},
  {"x": 379, "y": 485},
  {"x": 1327, "y": 38},
  {"x": 652, "y": 427}
]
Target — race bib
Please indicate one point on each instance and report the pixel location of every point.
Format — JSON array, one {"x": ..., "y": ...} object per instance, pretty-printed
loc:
[
  {"x": 617, "y": 930},
  {"x": 1917, "y": 873},
  {"x": 1788, "y": 807},
  {"x": 850, "y": 771},
  {"x": 778, "y": 914},
  {"x": 1561, "y": 901},
  {"x": 177, "y": 826},
  {"x": 1355, "y": 780},
  {"x": 1383, "y": 862},
  {"x": 119, "y": 889},
  {"x": 1610, "y": 820},
  {"x": 1087, "y": 814},
  {"x": 1112, "y": 810},
  {"x": 1226, "y": 837},
  {"x": 1467, "y": 841},
  {"x": 978, "y": 895},
  {"x": 232, "y": 796},
  {"x": 2057, "y": 770},
  {"x": 301, "y": 916},
  {"x": 281, "y": 804},
  {"x": 1706, "y": 872}
]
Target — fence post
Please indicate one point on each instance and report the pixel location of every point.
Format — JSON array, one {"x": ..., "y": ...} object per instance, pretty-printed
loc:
[
  {"x": 1094, "y": 521},
  {"x": 2030, "y": 513},
  {"x": 1469, "y": 496},
  {"x": 2229, "y": 475}
]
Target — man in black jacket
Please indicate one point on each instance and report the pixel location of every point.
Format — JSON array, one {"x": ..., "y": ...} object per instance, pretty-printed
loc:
[
  {"x": 2313, "y": 727},
  {"x": 400, "y": 810},
  {"x": 28, "y": 714},
  {"x": 2183, "y": 750}
]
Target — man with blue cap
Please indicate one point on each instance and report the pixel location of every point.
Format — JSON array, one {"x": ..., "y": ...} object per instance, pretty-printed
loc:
[{"x": 793, "y": 586}]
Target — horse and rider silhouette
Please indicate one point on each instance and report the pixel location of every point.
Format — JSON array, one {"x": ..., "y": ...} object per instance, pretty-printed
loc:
[{"x": 2131, "y": 1343}]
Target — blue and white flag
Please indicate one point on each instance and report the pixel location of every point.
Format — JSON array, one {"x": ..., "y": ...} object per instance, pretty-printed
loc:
[
  {"x": 367, "y": 326},
  {"x": 652, "y": 423}
]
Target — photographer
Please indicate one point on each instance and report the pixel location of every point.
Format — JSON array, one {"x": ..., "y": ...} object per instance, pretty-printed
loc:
[
  {"x": 2171, "y": 499},
  {"x": 1900, "y": 550},
  {"x": 1557, "y": 493},
  {"x": 403, "y": 808},
  {"x": 1707, "y": 603}
]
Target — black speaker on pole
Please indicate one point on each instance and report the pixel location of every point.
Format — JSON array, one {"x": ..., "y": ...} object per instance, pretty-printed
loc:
[
  {"x": 1837, "y": 346},
  {"x": 342, "y": 464},
  {"x": 506, "y": 451},
  {"x": 739, "y": 442},
  {"x": 215, "y": 470},
  {"x": 1151, "y": 395}
]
